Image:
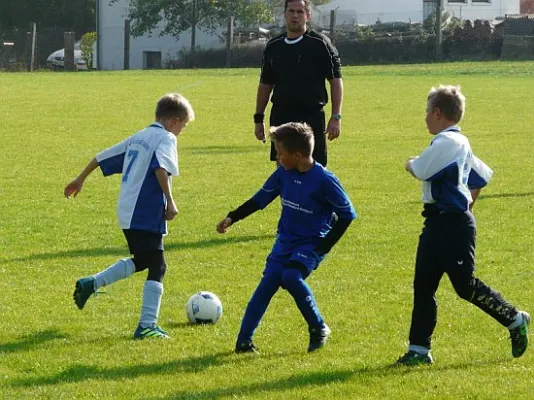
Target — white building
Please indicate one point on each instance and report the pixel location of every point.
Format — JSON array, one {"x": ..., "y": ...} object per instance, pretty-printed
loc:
[
  {"x": 147, "y": 52},
  {"x": 366, "y": 12}
]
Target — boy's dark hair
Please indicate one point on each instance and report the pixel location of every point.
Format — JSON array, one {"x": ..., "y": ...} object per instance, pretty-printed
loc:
[
  {"x": 174, "y": 105},
  {"x": 449, "y": 100},
  {"x": 307, "y": 4},
  {"x": 295, "y": 137}
]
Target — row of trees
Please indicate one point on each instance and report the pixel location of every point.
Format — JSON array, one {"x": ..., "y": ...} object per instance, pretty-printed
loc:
[
  {"x": 73, "y": 15},
  {"x": 177, "y": 16}
]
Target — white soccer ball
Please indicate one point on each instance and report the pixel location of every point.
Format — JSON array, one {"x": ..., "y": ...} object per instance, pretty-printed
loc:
[{"x": 204, "y": 308}]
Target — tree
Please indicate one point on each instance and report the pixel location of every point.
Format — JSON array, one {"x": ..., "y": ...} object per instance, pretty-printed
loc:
[
  {"x": 87, "y": 42},
  {"x": 73, "y": 15},
  {"x": 177, "y": 16}
]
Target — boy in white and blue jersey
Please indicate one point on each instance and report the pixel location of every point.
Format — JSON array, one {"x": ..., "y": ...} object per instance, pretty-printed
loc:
[
  {"x": 147, "y": 161},
  {"x": 316, "y": 212},
  {"x": 452, "y": 180}
]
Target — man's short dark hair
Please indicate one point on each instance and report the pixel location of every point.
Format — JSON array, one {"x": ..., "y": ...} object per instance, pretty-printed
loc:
[
  {"x": 295, "y": 137},
  {"x": 307, "y": 4}
]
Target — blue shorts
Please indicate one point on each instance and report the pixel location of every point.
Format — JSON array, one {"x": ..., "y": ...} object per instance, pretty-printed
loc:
[{"x": 305, "y": 255}]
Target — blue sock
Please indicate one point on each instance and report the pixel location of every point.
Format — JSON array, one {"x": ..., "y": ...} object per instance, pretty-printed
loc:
[
  {"x": 268, "y": 286},
  {"x": 293, "y": 281}
]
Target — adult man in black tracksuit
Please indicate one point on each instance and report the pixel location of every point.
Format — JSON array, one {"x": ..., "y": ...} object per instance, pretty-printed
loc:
[{"x": 294, "y": 68}]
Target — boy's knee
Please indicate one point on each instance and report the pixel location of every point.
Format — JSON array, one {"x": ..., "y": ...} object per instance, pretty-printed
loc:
[
  {"x": 154, "y": 261},
  {"x": 470, "y": 288},
  {"x": 292, "y": 276},
  {"x": 157, "y": 272}
]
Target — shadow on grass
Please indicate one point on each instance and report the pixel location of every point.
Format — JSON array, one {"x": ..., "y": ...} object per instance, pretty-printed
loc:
[
  {"x": 81, "y": 373},
  {"x": 180, "y": 325},
  {"x": 122, "y": 251},
  {"x": 314, "y": 379},
  {"x": 504, "y": 195},
  {"x": 32, "y": 341},
  {"x": 213, "y": 150},
  {"x": 492, "y": 196}
]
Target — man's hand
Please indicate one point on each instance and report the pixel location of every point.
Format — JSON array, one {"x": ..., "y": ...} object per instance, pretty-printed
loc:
[
  {"x": 224, "y": 225},
  {"x": 172, "y": 211},
  {"x": 259, "y": 131},
  {"x": 73, "y": 188},
  {"x": 333, "y": 129}
]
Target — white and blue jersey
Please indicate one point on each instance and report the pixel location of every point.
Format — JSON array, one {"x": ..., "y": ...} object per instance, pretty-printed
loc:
[
  {"x": 448, "y": 170},
  {"x": 309, "y": 201},
  {"x": 142, "y": 203}
]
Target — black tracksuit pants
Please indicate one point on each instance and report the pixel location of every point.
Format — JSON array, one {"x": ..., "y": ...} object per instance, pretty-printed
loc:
[{"x": 447, "y": 245}]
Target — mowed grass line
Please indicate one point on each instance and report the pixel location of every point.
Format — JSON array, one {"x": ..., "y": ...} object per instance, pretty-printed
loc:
[{"x": 54, "y": 123}]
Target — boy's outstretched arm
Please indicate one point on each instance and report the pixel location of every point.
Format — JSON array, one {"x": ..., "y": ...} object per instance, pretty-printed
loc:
[
  {"x": 165, "y": 183},
  {"x": 244, "y": 210},
  {"x": 75, "y": 187}
]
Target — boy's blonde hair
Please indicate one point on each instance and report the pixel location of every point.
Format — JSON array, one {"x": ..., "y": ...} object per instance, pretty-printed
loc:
[
  {"x": 174, "y": 105},
  {"x": 295, "y": 137},
  {"x": 449, "y": 100}
]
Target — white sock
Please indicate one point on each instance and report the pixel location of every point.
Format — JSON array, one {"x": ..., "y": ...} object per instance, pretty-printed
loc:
[
  {"x": 152, "y": 292},
  {"x": 518, "y": 321},
  {"x": 120, "y": 270},
  {"x": 418, "y": 349}
]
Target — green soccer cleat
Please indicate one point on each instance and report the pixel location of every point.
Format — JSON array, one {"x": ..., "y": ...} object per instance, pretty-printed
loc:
[
  {"x": 412, "y": 359},
  {"x": 150, "y": 332},
  {"x": 246, "y": 347},
  {"x": 85, "y": 287},
  {"x": 318, "y": 338},
  {"x": 519, "y": 336}
]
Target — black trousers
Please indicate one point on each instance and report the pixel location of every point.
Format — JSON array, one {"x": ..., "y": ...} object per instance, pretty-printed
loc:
[
  {"x": 314, "y": 118},
  {"x": 447, "y": 245}
]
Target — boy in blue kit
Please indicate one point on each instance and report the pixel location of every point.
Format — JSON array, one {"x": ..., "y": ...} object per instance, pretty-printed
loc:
[
  {"x": 316, "y": 212},
  {"x": 452, "y": 180},
  {"x": 146, "y": 160}
]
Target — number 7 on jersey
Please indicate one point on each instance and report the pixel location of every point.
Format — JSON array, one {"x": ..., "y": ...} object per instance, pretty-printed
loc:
[{"x": 132, "y": 155}]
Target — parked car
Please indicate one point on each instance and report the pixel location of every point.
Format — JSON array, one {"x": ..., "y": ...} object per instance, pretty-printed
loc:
[{"x": 56, "y": 60}]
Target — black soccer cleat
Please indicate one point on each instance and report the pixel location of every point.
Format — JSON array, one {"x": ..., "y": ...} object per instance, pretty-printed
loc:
[
  {"x": 246, "y": 347},
  {"x": 318, "y": 338},
  {"x": 85, "y": 287}
]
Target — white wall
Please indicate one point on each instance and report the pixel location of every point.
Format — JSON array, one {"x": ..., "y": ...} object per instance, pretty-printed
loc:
[
  {"x": 489, "y": 11},
  {"x": 369, "y": 11},
  {"x": 112, "y": 39}
]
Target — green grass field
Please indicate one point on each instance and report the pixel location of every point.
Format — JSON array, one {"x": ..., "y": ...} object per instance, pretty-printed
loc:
[{"x": 53, "y": 124}]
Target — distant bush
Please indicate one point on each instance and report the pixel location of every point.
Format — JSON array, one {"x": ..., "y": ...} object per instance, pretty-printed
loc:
[{"x": 397, "y": 42}]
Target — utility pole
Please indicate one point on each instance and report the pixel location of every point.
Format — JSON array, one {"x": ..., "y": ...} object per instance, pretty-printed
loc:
[
  {"x": 194, "y": 34},
  {"x": 439, "y": 32},
  {"x": 229, "y": 41},
  {"x": 127, "y": 30}
]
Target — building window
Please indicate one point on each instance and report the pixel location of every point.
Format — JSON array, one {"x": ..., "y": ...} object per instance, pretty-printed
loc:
[
  {"x": 481, "y": 1},
  {"x": 457, "y": 1},
  {"x": 151, "y": 59}
]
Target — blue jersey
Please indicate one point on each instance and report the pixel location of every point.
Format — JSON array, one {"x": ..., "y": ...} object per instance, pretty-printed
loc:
[
  {"x": 309, "y": 201},
  {"x": 448, "y": 170},
  {"x": 141, "y": 202}
]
